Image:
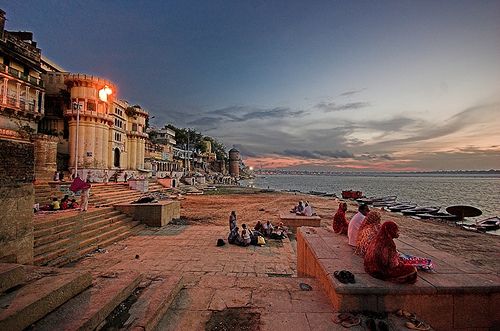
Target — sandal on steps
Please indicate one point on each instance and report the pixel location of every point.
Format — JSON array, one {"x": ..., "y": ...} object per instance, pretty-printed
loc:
[
  {"x": 406, "y": 314},
  {"x": 340, "y": 317},
  {"x": 417, "y": 325},
  {"x": 350, "y": 322}
]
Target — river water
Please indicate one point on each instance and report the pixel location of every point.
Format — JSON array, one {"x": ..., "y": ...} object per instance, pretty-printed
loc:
[{"x": 480, "y": 191}]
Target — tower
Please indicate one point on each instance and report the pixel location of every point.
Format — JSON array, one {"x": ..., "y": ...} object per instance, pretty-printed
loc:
[{"x": 234, "y": 163}]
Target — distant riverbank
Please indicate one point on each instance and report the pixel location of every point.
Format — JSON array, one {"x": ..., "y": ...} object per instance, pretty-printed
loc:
[{"x": 479, "y": 191}]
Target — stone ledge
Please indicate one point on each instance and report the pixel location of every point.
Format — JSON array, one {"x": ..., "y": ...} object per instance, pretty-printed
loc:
[
  {"x": 152, "y": 214},
  {"x": 456, "y": 283},
  {"x": 294, "y": 221}
]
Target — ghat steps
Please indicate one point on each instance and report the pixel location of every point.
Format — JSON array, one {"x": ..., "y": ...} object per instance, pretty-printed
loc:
[
  {"x": 61, "y": 240},
  {"x": 43, "y": 298}
]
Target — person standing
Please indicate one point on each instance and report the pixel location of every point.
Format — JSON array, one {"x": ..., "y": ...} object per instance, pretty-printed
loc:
[
  {"x": 355, "y": 223},
  {"x": 84, "y": 202},
  {"x": 232, "y": 220}
]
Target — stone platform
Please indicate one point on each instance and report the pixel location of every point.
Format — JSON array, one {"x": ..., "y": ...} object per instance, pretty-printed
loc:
[
  {"x": 152, "y": 214},
  {"x": 458, "y": 296},
  {"x": 293, "y": 221}
]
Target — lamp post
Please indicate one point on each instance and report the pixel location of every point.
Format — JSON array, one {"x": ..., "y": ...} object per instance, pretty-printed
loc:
[{"x": 78, "y": 107}]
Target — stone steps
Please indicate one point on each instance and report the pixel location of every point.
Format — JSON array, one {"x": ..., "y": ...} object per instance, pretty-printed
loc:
[
  {"x": 35, "y": 299},
  {"x": 39, "y": 234},
  {"x": 59, "y": 241},
  {"x": 65, "y": 230},
  {"x": 50, "y": 222},
  {"x": 11, "y": 275},
  {"x": 99, "y": 234},
  {"x": 90, "y": 308},
  {"x": 153, "y": 303}
]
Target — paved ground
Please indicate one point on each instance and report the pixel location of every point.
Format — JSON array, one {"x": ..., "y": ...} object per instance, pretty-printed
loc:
[{"x": 259, "y": 279}]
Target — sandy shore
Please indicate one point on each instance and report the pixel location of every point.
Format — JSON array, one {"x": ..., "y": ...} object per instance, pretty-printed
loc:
[{"x": 250, "y": 205}]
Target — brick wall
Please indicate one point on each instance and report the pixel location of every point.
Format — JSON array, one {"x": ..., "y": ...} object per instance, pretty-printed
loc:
[{"x": 16, "y": 201}]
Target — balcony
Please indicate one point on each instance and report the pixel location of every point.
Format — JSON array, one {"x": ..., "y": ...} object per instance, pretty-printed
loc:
[{"x": 19, "y": 75}]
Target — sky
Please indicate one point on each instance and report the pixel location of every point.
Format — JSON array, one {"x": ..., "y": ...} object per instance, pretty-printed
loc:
[{"x": 318, "y": 85}]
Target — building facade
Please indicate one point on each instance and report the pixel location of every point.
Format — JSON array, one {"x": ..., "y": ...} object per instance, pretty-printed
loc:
[
  {"x": 100, "y": 137},
  {"x": 21, "y": 87}
]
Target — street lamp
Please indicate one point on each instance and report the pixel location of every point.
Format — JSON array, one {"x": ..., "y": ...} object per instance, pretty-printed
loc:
[{"x": 77, "y": 106}]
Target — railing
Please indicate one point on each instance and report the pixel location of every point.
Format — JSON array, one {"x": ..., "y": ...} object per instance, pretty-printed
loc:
[{"x": 17, "y": 74}]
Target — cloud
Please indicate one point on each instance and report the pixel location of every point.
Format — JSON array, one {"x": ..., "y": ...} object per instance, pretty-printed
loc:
[
  {"x": 335, "y": 154},
  {"x": 300, "y": 153},
  {"x": 245, "y": 113},
  {"x": 245, "y": 151},
  {"x": 317, "y": 154},
  {"x": 475, "y": 119},
  {"x": 332, "y": 106},
  {"x": 351, "y": 92},
  {"x": 370, "y": 156},
  {"x": 205, "y": 121}
]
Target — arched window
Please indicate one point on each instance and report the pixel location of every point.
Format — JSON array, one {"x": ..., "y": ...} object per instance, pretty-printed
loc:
[{"x": 116, "y": 162}]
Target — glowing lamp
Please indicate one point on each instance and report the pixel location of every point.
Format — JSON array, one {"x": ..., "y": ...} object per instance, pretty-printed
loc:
[{"x": 104, "y": 92}]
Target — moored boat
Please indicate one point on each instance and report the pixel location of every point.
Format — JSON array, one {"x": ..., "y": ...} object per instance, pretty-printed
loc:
[
  {"x": 378, "y": 201},
  {"x": 421, "y": 210},
  {"x": 489, "y": 224},
  {"x": 438, "y": 215},
  {"x": 401, "y": 207},
  {"x": 350, "y": 194}
]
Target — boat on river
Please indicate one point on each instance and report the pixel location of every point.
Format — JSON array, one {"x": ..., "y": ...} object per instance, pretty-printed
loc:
[
  {"x": 378, "y": 200},
  {"x": 438, "y": 215},
  {"x": 421, "y": 210},
  {"x": 489, "y": 224},
  {"x": 401, "y": 207},
  {"x": 350, "y": 194}
]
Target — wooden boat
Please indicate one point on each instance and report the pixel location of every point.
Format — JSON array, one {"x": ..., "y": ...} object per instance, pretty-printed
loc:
[
  {"x": 381, "y": 201},
  {"x": 421, "y": 210},
  {"x": 317, "y": 193},
  {"x": 350, "y": 194},
  {"x": 438, "y": 215},
  {"x": 489, "y": 224},
  {"x": 401, "y": 207}
]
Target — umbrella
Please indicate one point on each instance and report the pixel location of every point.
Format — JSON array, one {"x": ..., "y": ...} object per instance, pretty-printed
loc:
[{"x": 463, "y": 211}]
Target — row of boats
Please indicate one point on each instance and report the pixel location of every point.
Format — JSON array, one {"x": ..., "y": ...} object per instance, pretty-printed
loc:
[{"x": 452, "y": 213}]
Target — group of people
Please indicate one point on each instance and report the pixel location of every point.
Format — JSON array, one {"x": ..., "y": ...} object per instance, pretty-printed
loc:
[
  {"x": 303, "y": 209},
  {"x": 374, "y": 242},
  {"x": 56, "y": 204},
  {"x": 256, "y": 236}
]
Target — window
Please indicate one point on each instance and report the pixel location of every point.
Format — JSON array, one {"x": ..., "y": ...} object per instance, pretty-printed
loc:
[
  {"x": 134, "y": 127},
  {"x": 118, "y": 136},
  {"x": 118, "y": 123},
  {"x": 90, "y": 106}
]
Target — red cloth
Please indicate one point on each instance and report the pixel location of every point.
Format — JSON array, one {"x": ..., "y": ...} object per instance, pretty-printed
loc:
[
  {"x": 382, "y": 259},
  {"x": 340, "y": 223},
  {"x": 78, "y": 185}
]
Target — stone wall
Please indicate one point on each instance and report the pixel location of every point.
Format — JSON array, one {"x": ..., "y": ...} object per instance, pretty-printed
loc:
[
  {"x": 45, "y": 156},
  {"x": 16, "y": 201}
]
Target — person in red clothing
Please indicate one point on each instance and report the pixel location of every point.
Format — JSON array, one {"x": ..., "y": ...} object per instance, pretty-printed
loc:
[
  {"x": 382, "y": 260},
  {"x": 340, "y": 223}
]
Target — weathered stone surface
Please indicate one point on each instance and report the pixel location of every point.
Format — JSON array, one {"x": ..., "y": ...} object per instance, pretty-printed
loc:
[
  {"x": 152, "y": 214},
  {"x": 153, "y": 303},
  {"x": 452, "y": 288},
  {"x": 10, "y": 276},
  {"x": 16, "y": 201},
  {"x": 37, "y": 299},
  {"x": 87, "y": 310}
]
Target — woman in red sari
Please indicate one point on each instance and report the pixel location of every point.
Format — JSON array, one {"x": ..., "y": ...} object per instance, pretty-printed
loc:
[
  {"x": 382, "y": 260},
  {"x": 340, "y": 223},
  {"x": 367, "y": 231}
]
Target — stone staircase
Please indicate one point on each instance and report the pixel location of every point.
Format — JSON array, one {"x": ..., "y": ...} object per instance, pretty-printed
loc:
[
  {"x": 64, "y": 237},
  {"x": 43, "y": 298},
  {"x": 59, "y": 240}
]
